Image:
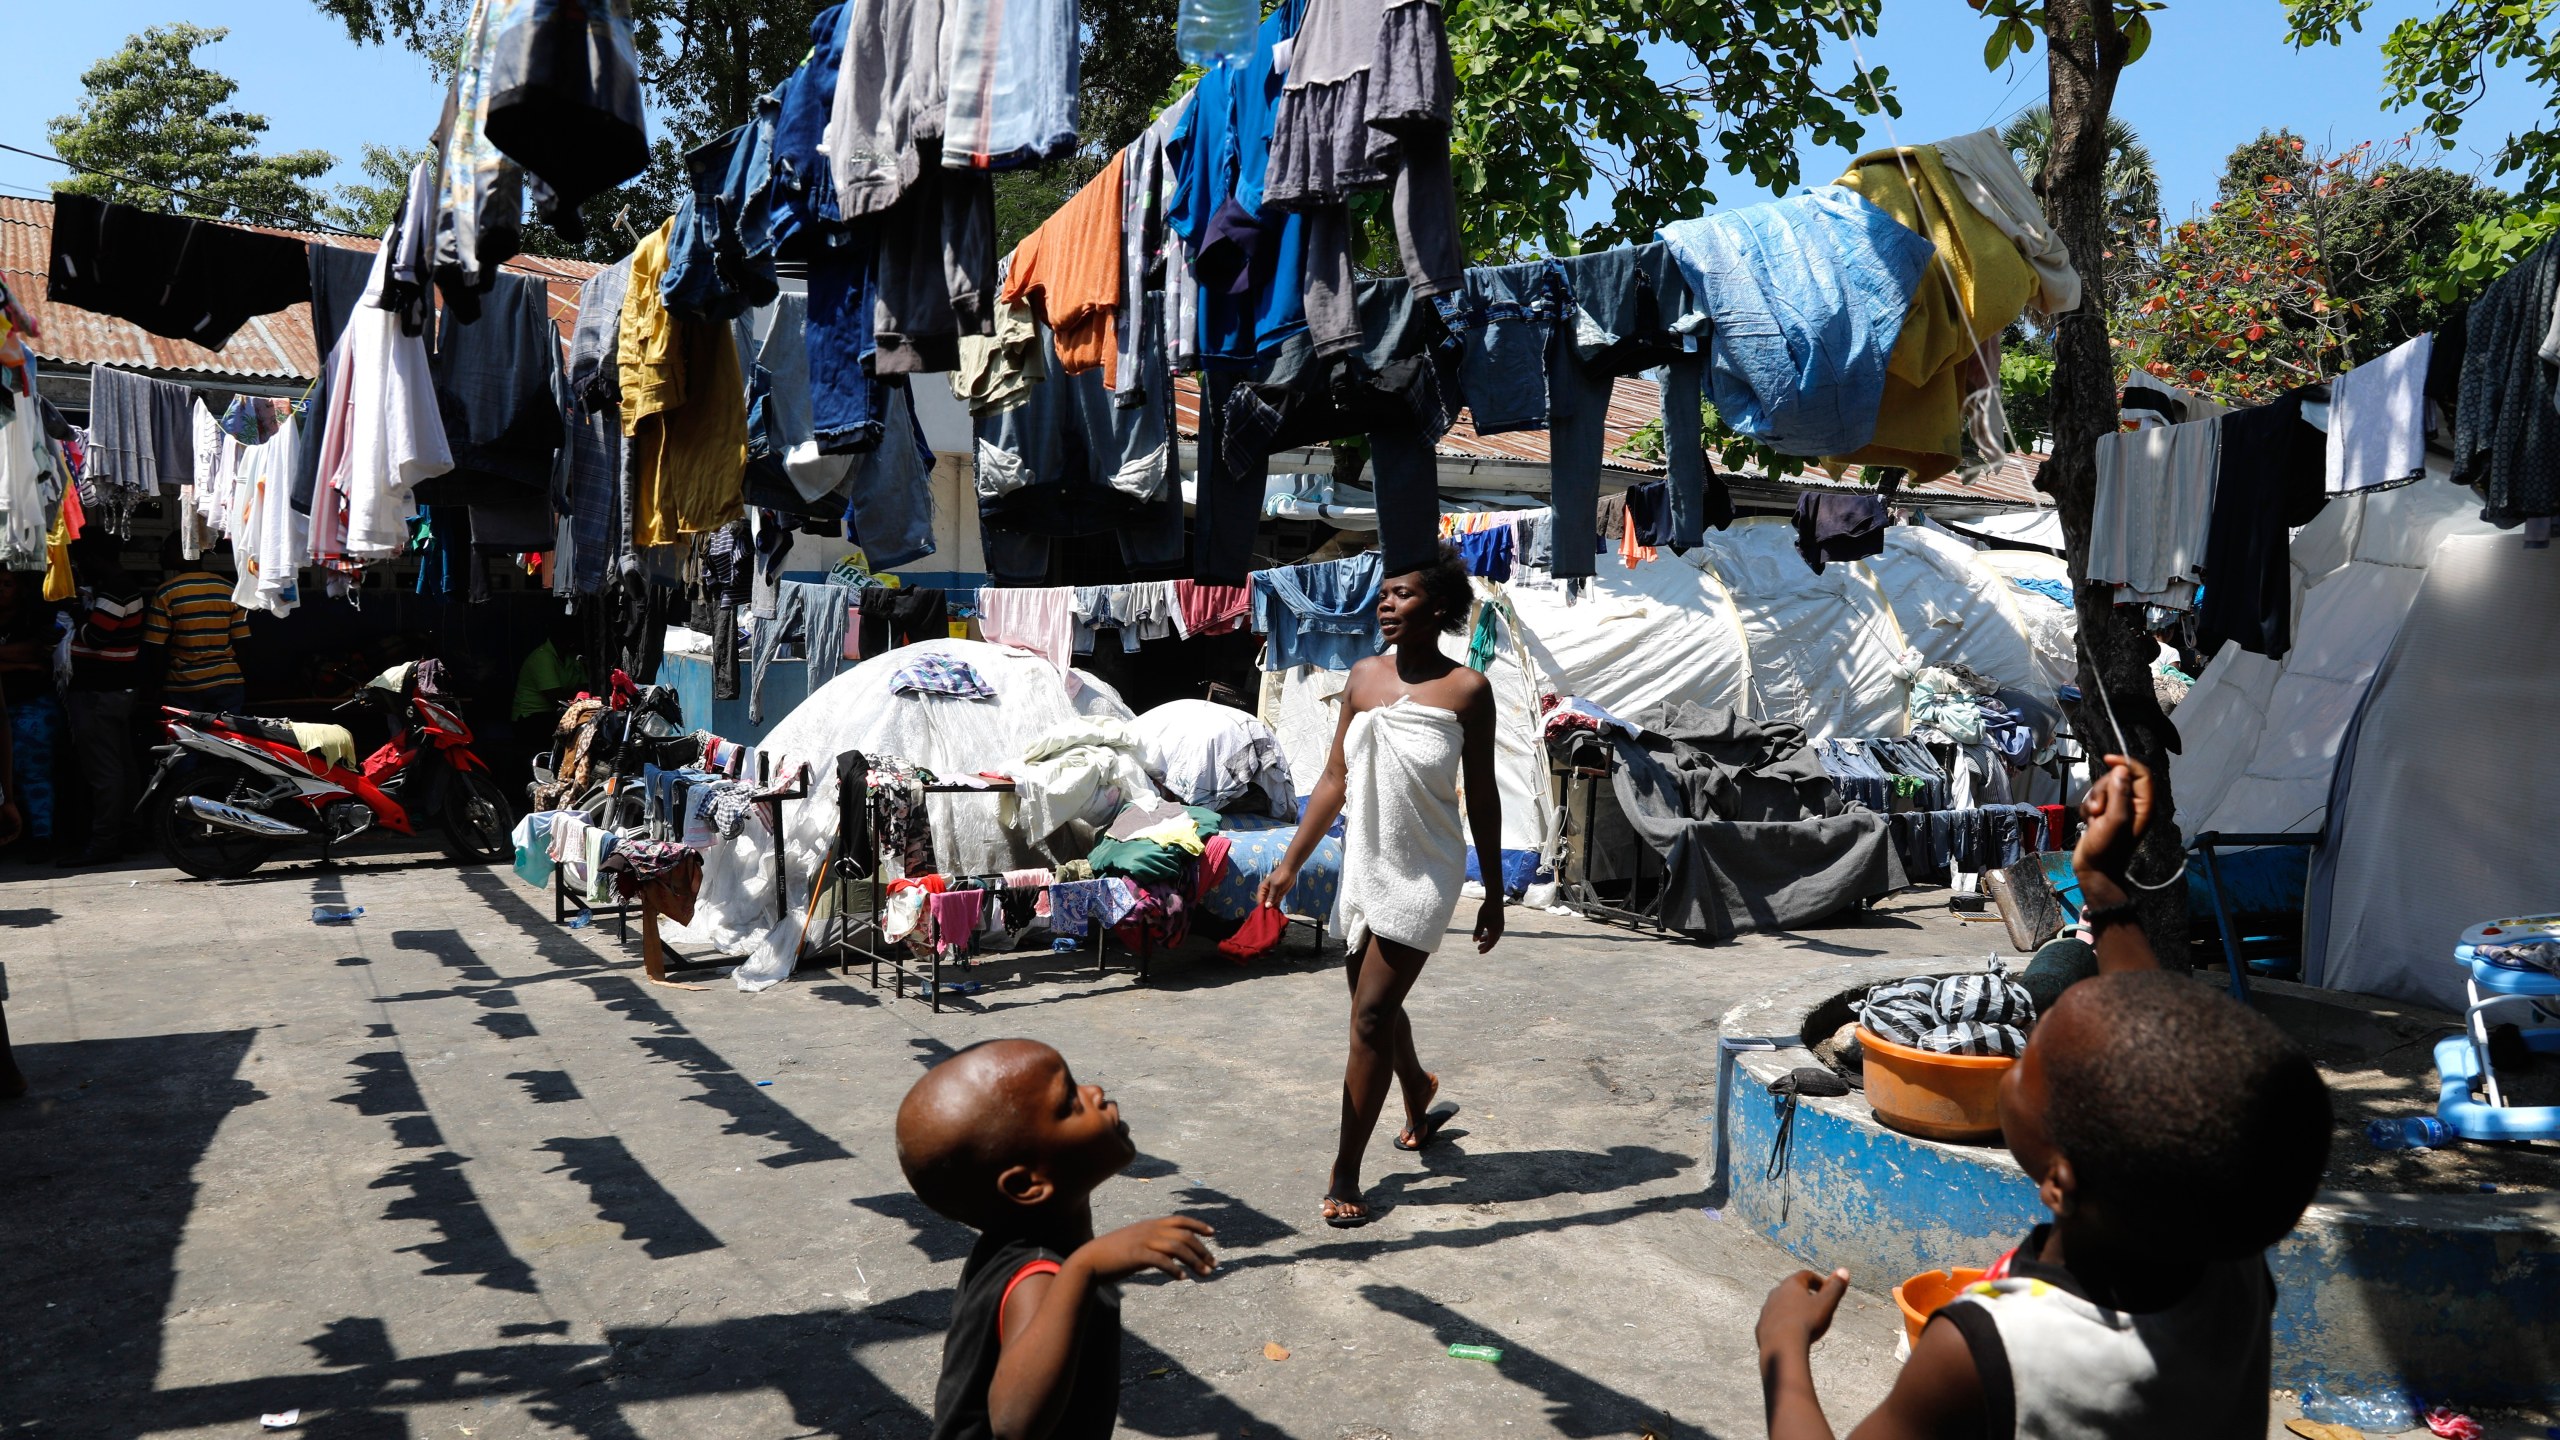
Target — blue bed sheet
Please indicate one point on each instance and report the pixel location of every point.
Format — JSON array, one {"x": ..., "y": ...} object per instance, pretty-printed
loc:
[{"x": 1256, "y": 844}]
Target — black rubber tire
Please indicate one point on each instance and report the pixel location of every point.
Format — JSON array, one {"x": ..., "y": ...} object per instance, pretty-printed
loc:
[
  {"x": 475, "y": 820},
  {"x": 208, "y": 852}
]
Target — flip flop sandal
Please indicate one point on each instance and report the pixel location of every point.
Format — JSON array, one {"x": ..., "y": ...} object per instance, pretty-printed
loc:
[
  {"x": 1341, "y": 1219},
  {"x": 1432, "y": 1122}
]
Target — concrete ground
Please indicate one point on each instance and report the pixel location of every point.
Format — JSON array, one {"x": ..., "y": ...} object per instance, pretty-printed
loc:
[{"x": 456, "y": 1171}]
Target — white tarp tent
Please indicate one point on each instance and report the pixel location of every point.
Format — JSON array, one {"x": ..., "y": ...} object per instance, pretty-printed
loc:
[
  {"x": 859, "y": 710},
  {"x": 2444, "y": 797},
  {"x": 1741, "y": 623},
  {"x": 2261, "y": 739}
]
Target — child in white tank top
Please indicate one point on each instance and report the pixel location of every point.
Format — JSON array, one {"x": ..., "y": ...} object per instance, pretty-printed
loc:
[{"x": 2175, "y": 1135}]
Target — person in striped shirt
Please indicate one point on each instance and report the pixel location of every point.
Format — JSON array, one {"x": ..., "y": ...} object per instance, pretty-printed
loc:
[
  {"x": 106, "y": 676},
  {"x": 194, "y": 629}
]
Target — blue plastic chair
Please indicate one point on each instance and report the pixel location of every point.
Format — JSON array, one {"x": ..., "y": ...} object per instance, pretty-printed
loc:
[{"x": 2462, "y": 1060}]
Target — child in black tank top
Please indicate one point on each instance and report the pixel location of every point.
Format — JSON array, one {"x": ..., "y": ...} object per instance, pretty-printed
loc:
[{"x": 1001, "y": 1138}]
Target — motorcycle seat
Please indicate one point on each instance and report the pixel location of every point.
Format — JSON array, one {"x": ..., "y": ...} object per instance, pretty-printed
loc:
[{"x": 334, "y": 744}]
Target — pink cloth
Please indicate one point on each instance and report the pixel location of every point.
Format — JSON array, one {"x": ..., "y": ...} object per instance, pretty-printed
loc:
[
  {"x": 1042, "y": 621},
  {"x": 956, "y": 917},
  {"x": 1211, "y": 609}
]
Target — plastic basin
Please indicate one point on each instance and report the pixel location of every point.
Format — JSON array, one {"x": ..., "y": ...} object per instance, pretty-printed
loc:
[
  {"x": 1919, "y": 1297},
  {"x": 1933, "y": 1096}
]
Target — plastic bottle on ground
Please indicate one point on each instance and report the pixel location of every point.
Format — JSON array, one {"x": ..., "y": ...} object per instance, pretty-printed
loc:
[
  {"x": 2385, "y": 1414},
  {"x": 2413, "y": 1132}
]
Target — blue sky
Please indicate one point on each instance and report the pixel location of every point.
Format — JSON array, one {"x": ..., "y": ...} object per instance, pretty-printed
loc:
[{"x": 2217, "y": 73}]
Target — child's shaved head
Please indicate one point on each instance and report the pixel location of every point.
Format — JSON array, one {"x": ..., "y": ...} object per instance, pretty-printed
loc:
[
  {"x": 1005, "y": 1106},
  {"x": 2189, "y": 1117}
]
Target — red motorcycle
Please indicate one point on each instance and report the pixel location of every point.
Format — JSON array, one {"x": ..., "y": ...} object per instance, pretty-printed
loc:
[{"x": 232, "y": 790}]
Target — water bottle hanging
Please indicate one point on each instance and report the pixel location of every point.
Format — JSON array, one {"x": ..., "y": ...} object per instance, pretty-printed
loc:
[{"x": 1212, "y": 28}]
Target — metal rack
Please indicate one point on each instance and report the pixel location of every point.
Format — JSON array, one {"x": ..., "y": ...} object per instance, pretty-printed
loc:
[
  {"x": 1577, "y": 774},
  {"x": 852, "y": 940}
]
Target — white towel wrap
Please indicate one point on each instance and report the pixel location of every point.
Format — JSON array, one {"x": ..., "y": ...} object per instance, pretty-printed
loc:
[{"x": 1404, "y": 848}]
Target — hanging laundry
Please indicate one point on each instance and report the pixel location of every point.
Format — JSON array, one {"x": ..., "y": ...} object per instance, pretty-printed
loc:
[
  {"x": 1986, "y": 173},
  {"x": 1503, "y": 323},
  {"x": 1143, "y": 361},
  {"x": 2378, "y": 420},
  {"x": 1041, "y": 621},
  {"x": 720, "y": 244},
  {"x": 1247, "y": 260},
  {"x": 1138, "y": 612},
  {"x": 891, "y": 618},
  {"x": 684, "y": 410},
  {"x": 1631, "y": 312},
  {"x": 141, "y": 432},
  {"x": 1367, "y": 107},
  {"x": 1324, "y": 614},
  {"x": 997, "y": 371},
  {"x": 1487, "y": 552},
  {"x": 562, "y": 98},
  {"x": 1012, "y": 84},
  {"x": 2269, "y": 482},
  {"x": 804, "y": 190},
  {"x": 1211, "y": 609},
  {"x": 889, "y": 491},
  {"x": 1836, "y": 529},
  {"x": 479, "y": 205},
  {"x": 1975, "y": 287},
  {"x": 1397, "y": 396},
  {"x": 341, "y": 276},
  {"x": 2148, "y": 527},
  {"x": 1068, "y": 272},
  {"x": 888, "y": 93},
  {"x": 2506, "y": 436},
  {"x": 385, "y": 436},
  {"x": 934, "y": 268},
  {"x": 1807, "y": 298},
  {"x": 173, "y": 275}
]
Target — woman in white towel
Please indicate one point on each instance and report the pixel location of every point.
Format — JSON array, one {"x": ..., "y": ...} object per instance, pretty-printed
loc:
[{"x": 1414, "y": 724}]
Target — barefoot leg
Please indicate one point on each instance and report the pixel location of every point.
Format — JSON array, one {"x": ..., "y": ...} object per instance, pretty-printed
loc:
[{"x": 1379, "y": 982}]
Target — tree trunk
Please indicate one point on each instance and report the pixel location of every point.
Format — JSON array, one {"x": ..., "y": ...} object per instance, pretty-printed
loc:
[{"x": 2085, "y": 51}]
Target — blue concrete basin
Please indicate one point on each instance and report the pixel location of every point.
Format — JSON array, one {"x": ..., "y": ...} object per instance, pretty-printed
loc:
[{"x": 2455, "y": 1297}]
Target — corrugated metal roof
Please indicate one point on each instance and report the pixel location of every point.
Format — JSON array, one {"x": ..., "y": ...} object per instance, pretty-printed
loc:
[
  {"x": 1634, "y": 403},
  {"x": 278, "y": 346}
]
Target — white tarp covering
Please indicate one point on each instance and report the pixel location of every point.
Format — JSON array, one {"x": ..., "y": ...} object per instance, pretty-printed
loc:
[
  {"x": 1955, "y": 610},
  {"x": 2446, "y": 796},
  {"x": 1815, "y": 650},
  {"x": 2261, "y": 741},
  {"x": 859, "y": 711},
  {"x": 1822, "y": 647}
]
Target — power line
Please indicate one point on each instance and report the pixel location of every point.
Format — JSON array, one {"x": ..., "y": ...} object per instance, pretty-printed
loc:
[
  {"x": 171, "y": 190},
  {"x": 519, "y": 262}
]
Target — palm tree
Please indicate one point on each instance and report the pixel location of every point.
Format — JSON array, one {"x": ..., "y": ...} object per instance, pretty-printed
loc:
[{"x": 2133, "y": 183}]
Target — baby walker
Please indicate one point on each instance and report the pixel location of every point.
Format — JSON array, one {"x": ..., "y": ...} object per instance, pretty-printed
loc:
[{"x": 2462, "y": 1060}]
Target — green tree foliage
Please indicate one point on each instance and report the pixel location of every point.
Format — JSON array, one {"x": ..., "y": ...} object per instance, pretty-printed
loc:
[
  {"x": 2441, "y": 64},
  {"x": 2132, "y": 181},
  {"x": 369, "y": 206},
  {"x": 2307, "y": 265},
  {"x": 157, "y": 131},
  {"x": 1556, "y": 98}
]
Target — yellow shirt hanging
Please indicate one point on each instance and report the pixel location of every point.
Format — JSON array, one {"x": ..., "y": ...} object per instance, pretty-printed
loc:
[{"x": 1920, "y": 425}]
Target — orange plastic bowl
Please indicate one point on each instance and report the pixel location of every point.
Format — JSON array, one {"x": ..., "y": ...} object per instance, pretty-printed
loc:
[
  {"x": 1936, "y": 1097},
  {"x": 1919, "y": 1297}
]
